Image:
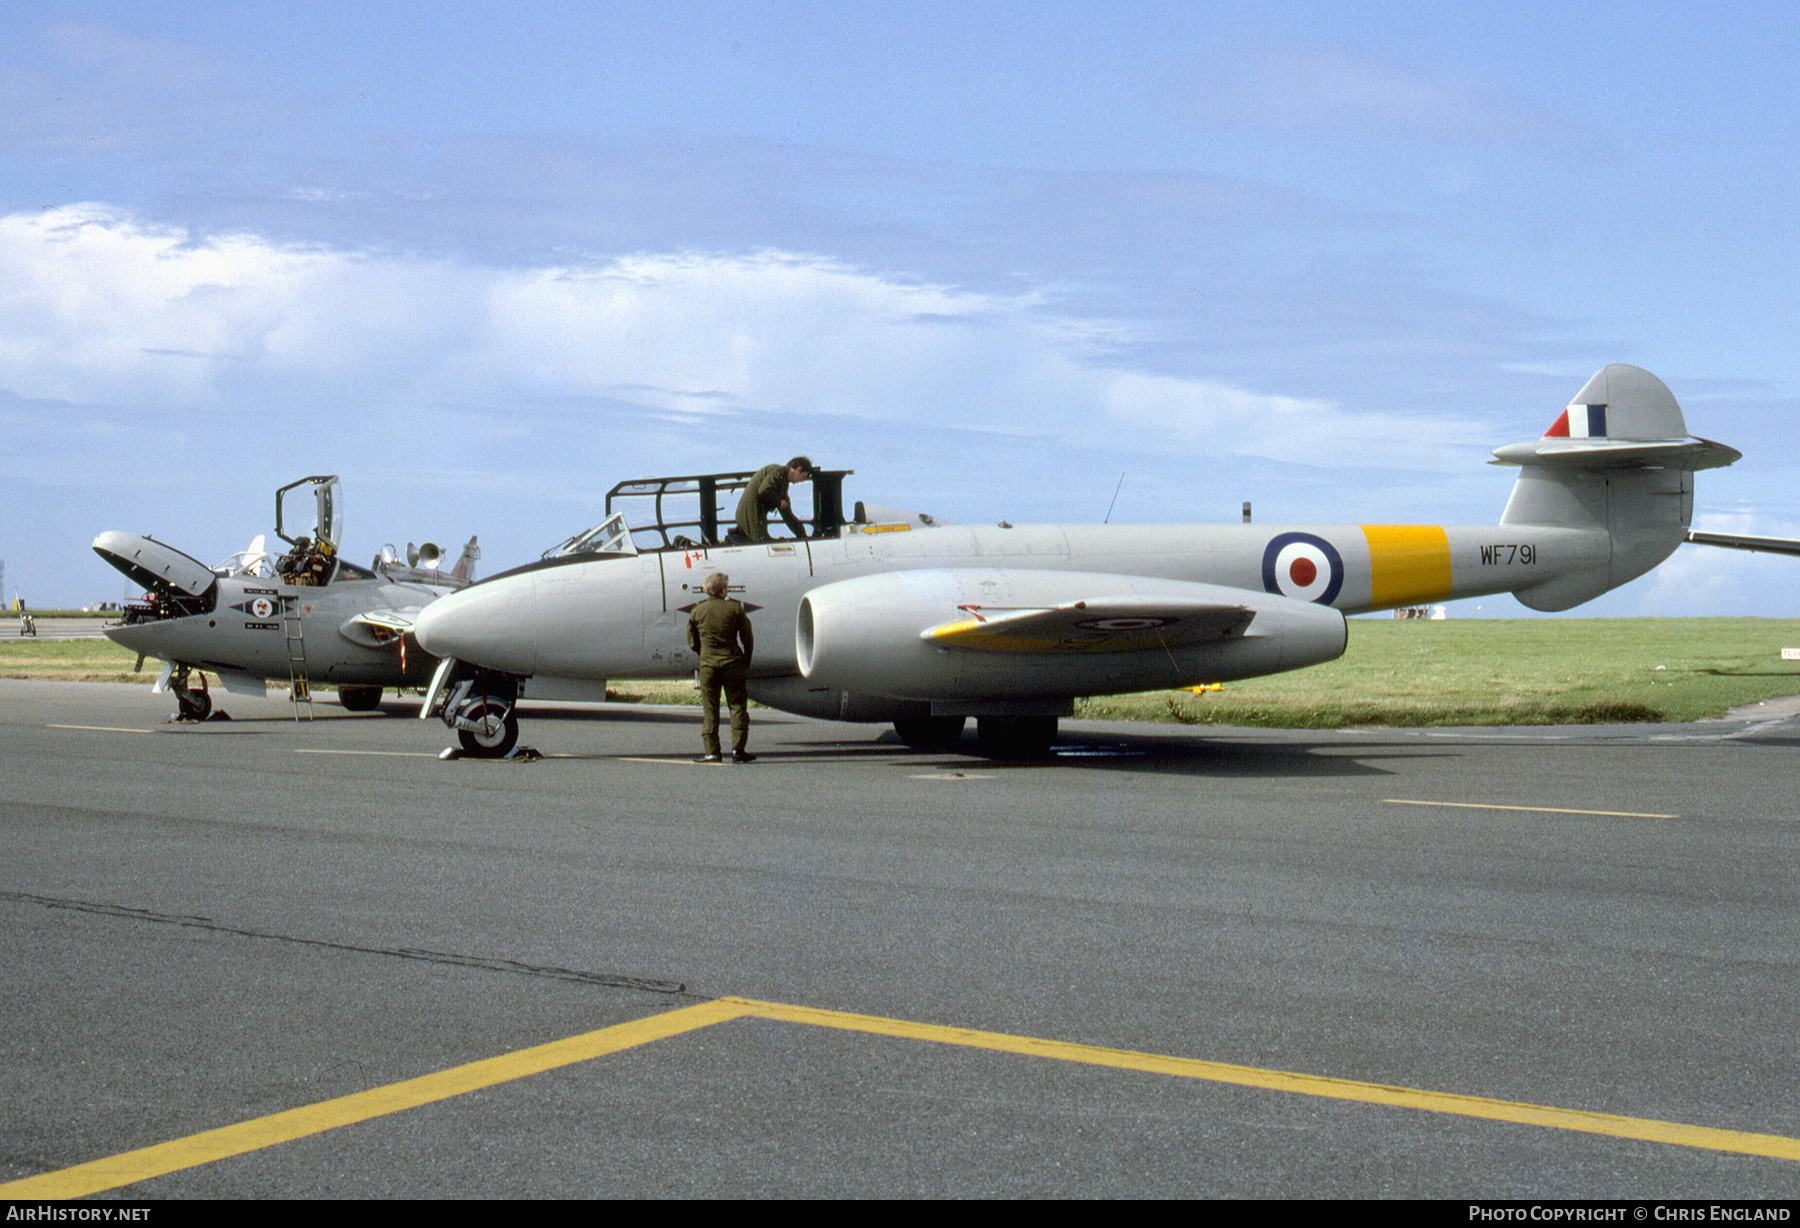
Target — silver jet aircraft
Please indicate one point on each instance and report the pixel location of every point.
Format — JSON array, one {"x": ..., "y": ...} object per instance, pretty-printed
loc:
[
  {"x": 305, "y": 618},
  {"x": 893, "y": 618}
]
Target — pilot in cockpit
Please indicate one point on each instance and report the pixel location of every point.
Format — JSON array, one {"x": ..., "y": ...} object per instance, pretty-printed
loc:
[{"x": 307, "y": 564}]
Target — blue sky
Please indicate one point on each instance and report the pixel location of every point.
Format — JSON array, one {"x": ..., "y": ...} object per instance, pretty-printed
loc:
[{"x": 485, "y": 261}]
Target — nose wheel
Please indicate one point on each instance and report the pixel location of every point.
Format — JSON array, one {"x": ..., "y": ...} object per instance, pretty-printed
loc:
[
  {"x": 488, "y": 729},
  {"x": 193, "y": 703},
  {"x": 481, "y": 707}
]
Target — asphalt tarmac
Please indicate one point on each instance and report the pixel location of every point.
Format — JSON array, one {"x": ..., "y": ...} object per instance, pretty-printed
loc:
[
  {"x": 260, "y": 957},
  {"x": 12, "y": 628}
]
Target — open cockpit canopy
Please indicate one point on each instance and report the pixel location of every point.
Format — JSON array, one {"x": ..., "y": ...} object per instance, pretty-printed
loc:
[{"x": 697, "y": 510}]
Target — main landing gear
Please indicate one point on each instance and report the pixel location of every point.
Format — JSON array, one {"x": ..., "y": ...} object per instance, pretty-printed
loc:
[
  {"x": 360, "y": 698},
  {"x": 1002, "y": 737},
  {"x": 1016, "y": 737},
  {"x": 930, "y": 732}
]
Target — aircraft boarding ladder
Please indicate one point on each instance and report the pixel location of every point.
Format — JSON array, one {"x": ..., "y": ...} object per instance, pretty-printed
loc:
[{"x": 299, "y": 689}]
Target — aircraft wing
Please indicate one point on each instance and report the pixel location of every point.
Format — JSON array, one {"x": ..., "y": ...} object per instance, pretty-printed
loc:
[
  {"x": 1735, "y": 541},
  {"x": 1108, "y": 624}
]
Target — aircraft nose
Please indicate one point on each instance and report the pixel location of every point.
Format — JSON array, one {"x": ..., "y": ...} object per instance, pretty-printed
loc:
[
  {"x": 488, "y": 625},
  {"x": 436, "y": 629},
  {"x": 137, "y": 638}
]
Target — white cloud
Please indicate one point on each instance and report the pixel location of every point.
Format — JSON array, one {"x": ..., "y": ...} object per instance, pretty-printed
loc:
[
  {"x": 97, "y": 308},
  {"x": 1236, "y": 422}
]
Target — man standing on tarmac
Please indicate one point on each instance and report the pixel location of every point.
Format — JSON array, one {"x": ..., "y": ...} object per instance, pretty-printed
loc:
[
  {"x": 767, "y": 492},
  {"x": 719, "y": 633}
]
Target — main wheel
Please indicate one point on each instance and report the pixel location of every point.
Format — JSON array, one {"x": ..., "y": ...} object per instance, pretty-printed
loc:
[
  {"x": 1016, "y": 737},
  {"x": 491, "y": 745},
  {"x": 360, "y": 698},
  {"x": 930, "y": 732}
]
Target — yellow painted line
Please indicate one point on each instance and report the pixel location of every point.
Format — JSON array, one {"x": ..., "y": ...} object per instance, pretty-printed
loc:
[
  {"x": 197, "y": 1149},
  {"x": 1611, "y": 814},
  {"x": 99, "y": 728},
  {"x": 1645, "y": 1129},
  {"x": 391, "y": 754}
]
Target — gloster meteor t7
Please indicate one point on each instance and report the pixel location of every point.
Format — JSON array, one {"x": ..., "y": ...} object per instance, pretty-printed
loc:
[{"x": 887, "y": 617}]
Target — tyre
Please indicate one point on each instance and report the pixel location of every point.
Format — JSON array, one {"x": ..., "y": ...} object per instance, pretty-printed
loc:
[
  {"x": 930, "y": 732},
  {"x": 195, "y": 705},
  {"x": 489, "y": 745},
  {"x": 360, "y": 698},
  {"x": 1016, "y": 737}
]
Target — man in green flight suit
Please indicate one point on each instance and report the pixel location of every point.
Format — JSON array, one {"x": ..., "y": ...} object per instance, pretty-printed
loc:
[
  {"x": 767, "y": 492},
  {"x": 719, "y": 633}
]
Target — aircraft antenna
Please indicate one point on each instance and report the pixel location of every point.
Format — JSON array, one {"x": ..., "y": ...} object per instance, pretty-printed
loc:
[{"x": 1115, "y": 499}]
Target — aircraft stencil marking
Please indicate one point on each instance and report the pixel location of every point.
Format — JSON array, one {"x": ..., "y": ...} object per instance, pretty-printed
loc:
[{"x": 1504, "y": 555}]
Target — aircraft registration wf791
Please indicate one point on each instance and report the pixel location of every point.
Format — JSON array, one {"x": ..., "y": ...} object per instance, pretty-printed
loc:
[
  {"x": 308, "y": 617},
  {"x": 888, "y": 617}
]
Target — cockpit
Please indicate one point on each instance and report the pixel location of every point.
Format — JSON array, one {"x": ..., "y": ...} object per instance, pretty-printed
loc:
[
  {"x": 312, "y": 560},
  {"x": 698, "y": 510},
  {"x": 682, "y": 513}
]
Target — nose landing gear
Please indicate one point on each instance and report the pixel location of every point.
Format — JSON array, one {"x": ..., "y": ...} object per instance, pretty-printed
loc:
[{"x": 482, "y": 709}]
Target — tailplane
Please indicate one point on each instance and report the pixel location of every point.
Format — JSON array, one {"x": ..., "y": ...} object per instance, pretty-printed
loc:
[{"x": 1617, "y": 462}]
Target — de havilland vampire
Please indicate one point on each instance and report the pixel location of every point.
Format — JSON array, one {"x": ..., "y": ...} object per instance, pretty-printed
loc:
[
  {"x": 308, "y": 617},
  {"x": 886, "y": 617}
]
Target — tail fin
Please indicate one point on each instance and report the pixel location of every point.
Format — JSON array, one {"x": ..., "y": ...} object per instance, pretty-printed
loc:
[
  {"x": 1618, "y": 461},
  {"x": 465, "y": 566}
]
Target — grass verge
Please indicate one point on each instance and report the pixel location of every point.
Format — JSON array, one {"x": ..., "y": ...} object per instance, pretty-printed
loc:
[
  {"x": 1471, "y": 672},
  {"x": 1503, "y": 672}
]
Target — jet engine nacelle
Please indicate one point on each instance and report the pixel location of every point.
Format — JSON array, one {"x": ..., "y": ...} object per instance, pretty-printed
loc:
[
  {"x": 960, "y": 635},
  {"x": 830, "y": 703}
]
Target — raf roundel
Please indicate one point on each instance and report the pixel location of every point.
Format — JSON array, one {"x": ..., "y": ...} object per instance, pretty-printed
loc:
[
  {"x": 1303, "y": 566},
  {"x": 1124, "y": 624}
]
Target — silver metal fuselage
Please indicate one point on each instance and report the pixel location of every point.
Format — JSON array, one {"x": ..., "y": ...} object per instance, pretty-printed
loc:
[
  {"x": 624, "y": 615},
  {"x": 244, "y": 635}
]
